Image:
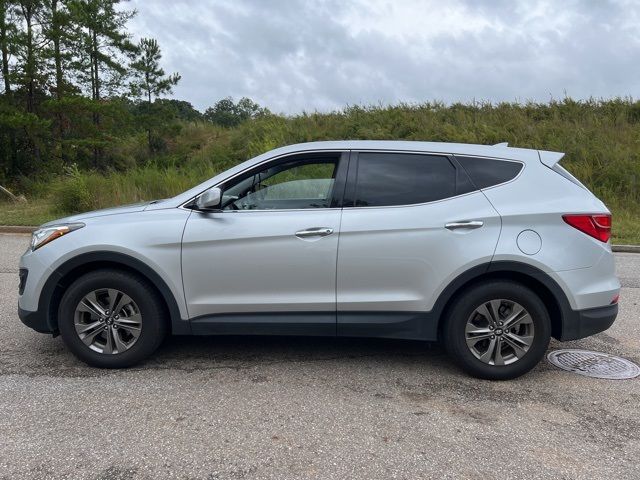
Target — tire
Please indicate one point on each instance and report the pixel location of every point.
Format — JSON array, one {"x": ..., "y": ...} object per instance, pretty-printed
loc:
[
  {"x": 140, "y": 325},
  {"x": 474, "y": 337}
]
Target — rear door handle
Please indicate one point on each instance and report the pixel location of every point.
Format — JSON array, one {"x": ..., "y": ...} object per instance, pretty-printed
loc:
[
  {"x": 314, "y": 232},
  {"x": 470, "y": 224}
]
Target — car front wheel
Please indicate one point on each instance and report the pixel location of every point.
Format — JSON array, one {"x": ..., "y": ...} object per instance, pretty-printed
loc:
[
  {"x": 498, "y": 330},
  {"x": 111, "y": 319}
]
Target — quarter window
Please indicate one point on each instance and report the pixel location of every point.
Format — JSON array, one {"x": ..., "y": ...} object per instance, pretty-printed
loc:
[
  {"x": 487, "y": 172},
  {"x": 385, "y": 179}
]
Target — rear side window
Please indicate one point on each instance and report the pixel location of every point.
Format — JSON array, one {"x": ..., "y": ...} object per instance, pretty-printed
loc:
[
  {"x": 487, "y": 172},
  {"x": 386, "y": 179}
]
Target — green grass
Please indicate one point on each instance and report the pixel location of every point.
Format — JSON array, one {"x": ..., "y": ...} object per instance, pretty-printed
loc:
[
  {"x": 626, "y": 226},
  {"x": 30, "y": 214},
  {"x": 601, "y": 140}
]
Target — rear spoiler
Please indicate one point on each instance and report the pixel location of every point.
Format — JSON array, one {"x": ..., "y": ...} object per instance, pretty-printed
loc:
[{"x": 550, "y": 158}]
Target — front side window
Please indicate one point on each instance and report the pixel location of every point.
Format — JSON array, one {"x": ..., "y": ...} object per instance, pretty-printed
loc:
[
  {"x": 386, "y": 179},
  {"x": 291, "y": 185}
]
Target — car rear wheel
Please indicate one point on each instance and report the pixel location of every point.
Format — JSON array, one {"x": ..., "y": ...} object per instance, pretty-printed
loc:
[
  {"x": 497, "y": 330},
  {"x": 111, "y": 319}
]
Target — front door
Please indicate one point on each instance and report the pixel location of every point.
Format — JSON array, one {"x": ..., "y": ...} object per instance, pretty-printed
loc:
[{"x": 266, "y": 264}]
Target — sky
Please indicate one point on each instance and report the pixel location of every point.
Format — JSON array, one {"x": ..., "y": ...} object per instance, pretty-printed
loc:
[{"x": 302, "y": 55}]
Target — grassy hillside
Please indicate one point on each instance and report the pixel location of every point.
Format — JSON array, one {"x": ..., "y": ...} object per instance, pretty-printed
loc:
[{"x": 601, "y": 140}]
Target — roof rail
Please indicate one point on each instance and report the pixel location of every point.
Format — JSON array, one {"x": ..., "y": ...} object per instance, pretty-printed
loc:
[{"x": 503, "y": 144}]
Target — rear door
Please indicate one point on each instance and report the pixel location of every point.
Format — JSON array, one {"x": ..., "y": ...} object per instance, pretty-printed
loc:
[{"x": 411, "y": 223}]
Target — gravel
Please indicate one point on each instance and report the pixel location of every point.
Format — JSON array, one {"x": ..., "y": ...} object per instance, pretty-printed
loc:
[{"x": 227, "y": 408}]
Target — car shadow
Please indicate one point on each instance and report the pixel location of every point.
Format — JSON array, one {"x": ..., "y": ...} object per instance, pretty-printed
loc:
[{"x": 290, "y": 348}]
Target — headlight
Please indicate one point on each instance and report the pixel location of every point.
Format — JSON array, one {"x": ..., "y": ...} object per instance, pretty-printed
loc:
[{"x": 44, "y": 235}]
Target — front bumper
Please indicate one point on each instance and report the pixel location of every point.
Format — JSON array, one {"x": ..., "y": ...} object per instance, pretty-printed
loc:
[
  {"x": 583, "y": 323},
  {"x": 36, "y": 320}
]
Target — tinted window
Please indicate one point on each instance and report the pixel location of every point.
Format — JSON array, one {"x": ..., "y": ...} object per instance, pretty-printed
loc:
[
  {"x": 486, "y": 172},
  {"x": 403, "y": 179},
  {"x": 291, "y": 185}
]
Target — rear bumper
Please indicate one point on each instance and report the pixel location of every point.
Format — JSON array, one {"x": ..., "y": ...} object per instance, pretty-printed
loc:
[
  {"x": 583, "y": 323},
  {"x": 36, "y": 320}
]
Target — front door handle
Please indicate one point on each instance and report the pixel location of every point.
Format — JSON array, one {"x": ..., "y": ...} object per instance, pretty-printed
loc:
[
  {"x": 314, "y": 232},
  {"x": 470, "y": 224}
]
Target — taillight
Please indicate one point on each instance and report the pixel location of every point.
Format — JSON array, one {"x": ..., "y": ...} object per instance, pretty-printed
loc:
[{"x": 596, "y": 225}]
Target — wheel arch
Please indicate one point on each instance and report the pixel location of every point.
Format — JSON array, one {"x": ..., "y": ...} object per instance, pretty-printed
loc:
[
  {"x": 541, "y": 283},
  {"x": 65, "y": 274}
]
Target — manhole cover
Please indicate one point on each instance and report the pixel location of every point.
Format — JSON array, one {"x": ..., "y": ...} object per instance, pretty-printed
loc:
[{"x": 593, "y": 364}]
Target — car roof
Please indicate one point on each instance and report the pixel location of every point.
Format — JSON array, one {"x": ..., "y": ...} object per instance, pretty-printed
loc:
[
  {"x": 495, "y": 151},
  {"x": 500, "y": 150}
]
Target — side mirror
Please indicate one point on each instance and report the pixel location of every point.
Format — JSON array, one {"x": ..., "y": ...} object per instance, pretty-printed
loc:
[{"x": 209, "y": 200}]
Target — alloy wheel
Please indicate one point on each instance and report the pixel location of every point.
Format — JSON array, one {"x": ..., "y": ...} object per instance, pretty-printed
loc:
[
  {"x": 108, "y": 321},
  {"x": 499, "y": 332}
]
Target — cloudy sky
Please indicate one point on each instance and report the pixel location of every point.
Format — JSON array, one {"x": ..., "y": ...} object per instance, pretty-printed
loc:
[{"x": 295, "y": 55}]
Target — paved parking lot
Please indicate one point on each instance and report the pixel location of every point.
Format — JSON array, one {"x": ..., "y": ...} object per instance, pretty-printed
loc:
[{"x": 227, "y": 408}]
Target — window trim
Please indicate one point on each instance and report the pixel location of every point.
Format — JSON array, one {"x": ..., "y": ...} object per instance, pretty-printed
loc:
[{"x": 351, "y": 155}]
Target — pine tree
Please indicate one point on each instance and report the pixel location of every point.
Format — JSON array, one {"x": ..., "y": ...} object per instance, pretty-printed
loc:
[
  {"x": 57, "y": 32},
  {"x": 104, "y": 41},
  {"x": 149, "y": 78},
  {"x": 7, "y": 41},
  {"x": 62, "y": 43},
  {"x": 8, "y": 33},
  {"x": 30, "y": 50},
  {"x": 30, "y": 81}
]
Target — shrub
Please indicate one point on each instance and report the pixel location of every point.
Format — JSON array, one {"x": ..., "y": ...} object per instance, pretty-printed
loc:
[{"x": 72, "y": 193}]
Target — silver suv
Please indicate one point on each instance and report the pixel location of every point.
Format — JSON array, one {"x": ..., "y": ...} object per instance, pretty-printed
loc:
[{"x": 490, "y": 249}]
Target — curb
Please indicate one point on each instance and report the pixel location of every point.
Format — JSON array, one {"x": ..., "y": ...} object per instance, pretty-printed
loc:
[
  {"x": 22, "y": 229},
  {"x": 626, "y": 248},
  {"x": 16, "y": 229}
]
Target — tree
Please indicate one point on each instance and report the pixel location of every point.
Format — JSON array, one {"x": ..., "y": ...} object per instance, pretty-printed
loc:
[
  {"x": 104, "y": 41},
  {"x": 226, "y": 113},
  {"x": 30, "y": 79},
  {"x": 54, "y": 33},
  {"x": 53, "y": 55},
  {"x": 57, "y": 24},
  {"x": 247, "y": 109},
  {"x": 150, "y": 79},
  {"x": 181, "y": 109},
  {"x": 31, "y": 42},
  {"x": 8, "y": 33}
]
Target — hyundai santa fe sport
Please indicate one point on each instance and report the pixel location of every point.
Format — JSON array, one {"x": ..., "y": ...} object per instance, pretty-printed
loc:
[{"x": 490, "y": 249}]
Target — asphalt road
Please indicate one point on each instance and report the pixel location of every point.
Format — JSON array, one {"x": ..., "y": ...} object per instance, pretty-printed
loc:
[{"x": 228, "y": 408}]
